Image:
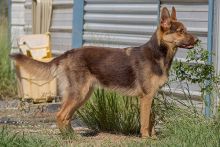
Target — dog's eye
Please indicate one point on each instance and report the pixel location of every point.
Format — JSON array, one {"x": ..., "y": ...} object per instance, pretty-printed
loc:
[{"x": 182, "y": 31}]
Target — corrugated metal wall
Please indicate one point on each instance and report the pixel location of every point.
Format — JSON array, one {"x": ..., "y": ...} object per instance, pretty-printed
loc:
[
  {"x": 28, "y": 17},
  {"x": 61, "y": 25},
  {"x": 17, "y": 20},
  {"x": 122, "y": 23},
  {"x": 61, "y": 28},
  {"x": 119, "y": 23}
]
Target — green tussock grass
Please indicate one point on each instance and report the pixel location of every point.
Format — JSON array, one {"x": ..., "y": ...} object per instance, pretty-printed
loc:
[
  {"x": 108, "y": 111},
  {"x": 111, "y": 112},
  {"x": 7, "y": 79}
]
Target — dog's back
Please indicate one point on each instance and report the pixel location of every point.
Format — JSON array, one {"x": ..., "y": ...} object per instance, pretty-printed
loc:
[{"x": 109, "y": 67}]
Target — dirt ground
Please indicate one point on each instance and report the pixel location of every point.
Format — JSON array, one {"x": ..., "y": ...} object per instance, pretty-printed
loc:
[{"x": 40, "y": 119}]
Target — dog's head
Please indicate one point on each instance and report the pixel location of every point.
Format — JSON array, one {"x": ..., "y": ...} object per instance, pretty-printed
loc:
[{"x": 173, "y": 32}]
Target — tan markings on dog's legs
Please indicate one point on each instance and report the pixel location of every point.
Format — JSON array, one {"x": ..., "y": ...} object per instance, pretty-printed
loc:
[
  {"x": 147, "y": 125},
  {"x": 152, "y": 126},
  {"x": 145, "y": 109}
]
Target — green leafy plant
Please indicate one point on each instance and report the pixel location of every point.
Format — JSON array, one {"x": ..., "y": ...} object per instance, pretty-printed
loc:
[{"x": 196, "y": 70}]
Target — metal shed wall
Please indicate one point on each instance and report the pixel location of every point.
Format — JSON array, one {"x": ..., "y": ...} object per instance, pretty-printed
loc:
[
  {"x": 61, "y": 25},
  {"x": 119, "y": 23},
  {"x": 17, "y": 20},
  {"x": 122, "y": 23}
]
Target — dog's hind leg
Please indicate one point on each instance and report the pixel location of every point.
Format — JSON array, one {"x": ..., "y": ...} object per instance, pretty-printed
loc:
[{"x": 75, "y": 97}]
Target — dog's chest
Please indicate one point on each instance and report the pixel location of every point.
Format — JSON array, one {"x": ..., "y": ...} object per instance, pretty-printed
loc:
[
  {"x": 159, "y": 81},
  {"x": 162, "y": 79}
]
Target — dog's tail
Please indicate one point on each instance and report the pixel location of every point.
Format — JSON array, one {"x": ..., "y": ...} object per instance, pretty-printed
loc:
[{"x": 39, "y": 70}]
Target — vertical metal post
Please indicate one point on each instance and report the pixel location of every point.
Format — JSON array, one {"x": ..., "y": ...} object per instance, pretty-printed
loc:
[
  {"x": 158, "y": 12},
  {"x": 216, "y": 45},
  {"x": 210, "y": 45},
  {"x": 77, "y": 24}
]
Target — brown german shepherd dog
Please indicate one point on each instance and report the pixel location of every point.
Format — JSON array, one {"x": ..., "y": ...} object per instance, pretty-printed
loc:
[{"x": 136, "y": 71}]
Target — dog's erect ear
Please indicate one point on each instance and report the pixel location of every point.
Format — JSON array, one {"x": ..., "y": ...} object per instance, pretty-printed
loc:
[
  {"x": 173, "y": 14},
  {"x": 165, "y": 19}
]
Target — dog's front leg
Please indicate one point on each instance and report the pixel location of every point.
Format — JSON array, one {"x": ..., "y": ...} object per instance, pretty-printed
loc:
[
  {"x": 145, "y": 111},
  {"x": 152, "y": 125}
]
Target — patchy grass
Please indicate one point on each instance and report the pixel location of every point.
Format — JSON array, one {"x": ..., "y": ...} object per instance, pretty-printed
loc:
[
  {"x": 180, "y": 129},
  {"x": 186, "y": 129},
  {"x": 7, "y": 79},
  {"x": 120, "y": 115},
  {"x": 11, "y": 139}
]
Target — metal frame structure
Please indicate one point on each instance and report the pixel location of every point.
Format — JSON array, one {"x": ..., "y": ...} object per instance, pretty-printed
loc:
[{"x": 210, "y": 49}]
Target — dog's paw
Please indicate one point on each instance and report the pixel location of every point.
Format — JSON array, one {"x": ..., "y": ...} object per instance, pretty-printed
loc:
[
  {"x": 154, "y": 137},
  {"x": 147, "y": 136}
]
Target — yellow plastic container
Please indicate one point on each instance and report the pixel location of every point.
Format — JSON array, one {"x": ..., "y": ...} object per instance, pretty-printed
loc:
[
  {"x": 38, "y": 47},
  {"x": 37, "y": 90}
]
